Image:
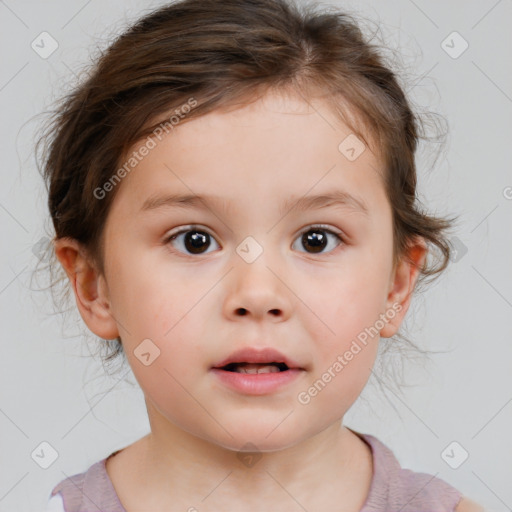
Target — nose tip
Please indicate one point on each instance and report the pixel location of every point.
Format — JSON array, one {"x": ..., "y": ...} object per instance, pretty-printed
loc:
[{"x": 257, "y": 291}]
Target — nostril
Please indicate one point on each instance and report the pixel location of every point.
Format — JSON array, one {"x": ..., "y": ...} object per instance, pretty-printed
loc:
[{"x": 242, "y": 311}]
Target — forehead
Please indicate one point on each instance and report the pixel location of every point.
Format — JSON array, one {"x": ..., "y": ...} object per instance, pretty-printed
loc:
[{"x": 279, "y": 146}]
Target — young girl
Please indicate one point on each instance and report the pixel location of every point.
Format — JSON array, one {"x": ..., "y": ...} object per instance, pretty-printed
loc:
[{"x": 233, "y": 192}]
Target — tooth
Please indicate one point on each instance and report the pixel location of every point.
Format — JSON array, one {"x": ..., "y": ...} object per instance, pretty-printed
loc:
[{"x": 255, "y": 368}]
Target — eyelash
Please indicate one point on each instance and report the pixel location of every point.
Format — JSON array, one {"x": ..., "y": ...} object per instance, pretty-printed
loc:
[{"x": 313, "y": 227}]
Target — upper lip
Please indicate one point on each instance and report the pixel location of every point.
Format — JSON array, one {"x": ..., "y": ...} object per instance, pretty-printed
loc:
[{"x": 257, "y": 355}]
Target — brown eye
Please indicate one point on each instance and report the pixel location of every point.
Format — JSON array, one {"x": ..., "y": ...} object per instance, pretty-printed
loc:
[
  {"x": 317, "y": 238},
  {"x": 195, "y": 241}
]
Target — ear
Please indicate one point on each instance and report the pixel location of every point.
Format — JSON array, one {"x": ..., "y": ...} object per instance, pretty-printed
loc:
[
  {"x": 402, "y": 283},
  {"x": 90, "y": 288}
]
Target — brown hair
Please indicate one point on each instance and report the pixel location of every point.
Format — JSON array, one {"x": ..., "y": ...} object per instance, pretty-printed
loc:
[{"x": 223, "y": 53}]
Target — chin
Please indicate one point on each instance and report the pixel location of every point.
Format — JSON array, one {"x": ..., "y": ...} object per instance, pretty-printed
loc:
[{"x": 257, "y": 438}]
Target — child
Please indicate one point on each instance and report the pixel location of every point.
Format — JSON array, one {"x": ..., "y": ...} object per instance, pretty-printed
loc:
[{"x": 276, "y": 137}]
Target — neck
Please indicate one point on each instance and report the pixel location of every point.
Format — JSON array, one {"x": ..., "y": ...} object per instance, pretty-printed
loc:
[{"x": 176, "y": 467}]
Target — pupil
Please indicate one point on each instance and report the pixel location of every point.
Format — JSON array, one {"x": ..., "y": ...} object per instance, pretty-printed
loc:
[
  {"x": 316, "y": 239},
  {"x": 194, "y": 240}
]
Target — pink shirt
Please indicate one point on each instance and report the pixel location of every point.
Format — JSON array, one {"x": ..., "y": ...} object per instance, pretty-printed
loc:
[{"x": 392, "y": 488}]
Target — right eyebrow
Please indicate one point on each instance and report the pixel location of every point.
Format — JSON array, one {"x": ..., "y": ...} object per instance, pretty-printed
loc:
[{"x": 187, "y": 201}]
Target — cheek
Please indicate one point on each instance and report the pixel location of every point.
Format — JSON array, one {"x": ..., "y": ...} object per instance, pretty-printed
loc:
[
  {"x": 168, "y": 363},
  {"x": 347, "y": 306},
  {"x": 147, "y": 300},
  {"x": 346, "y": 301},
  {"x": 165, "y": 386}
]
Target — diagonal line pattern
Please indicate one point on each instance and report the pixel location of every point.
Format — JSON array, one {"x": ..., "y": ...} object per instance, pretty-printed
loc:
[
  {"x": 5, "y": 5},
  {"x": 424, "y": 13},
  {"x": 198, "y": 301},
  {"x": 76, "y": 14},
  {"x": 499, "y": 1},
  {"x": 492, "y": 418},
  {"x": 90, "y": 410},
  {"x": 209, "y": 209},
  {"x": 14, "y": 218},
  {"x": 508, "y": 507},
  {"x": 11, "y": 79},
  {"x": 305, "y": 99},
  {"x": 396, "y": 396},
  {"x": 310, "y": 189},
  {"x": 300, "y": 299},
  {"x": 421, "y": 78},
  {"x": 493, "y": 287},
  {"x": 484, "y": 218},
  {"x": 13, "y": 423},
  {"x": 405, "y": 504},
  {"x": 81, "y": 491},
  {"x": 69, "y": 69},
  {"x": 12, "y": 280},
  {"x": 492, "y": 81},
  {"x": 217, "y": 485},
  {"x": 15, "y": 485},
  {"x": 199, "y": 403},
  {"x": 280, "y": 423},
  {"x": 286, "y": 491}
]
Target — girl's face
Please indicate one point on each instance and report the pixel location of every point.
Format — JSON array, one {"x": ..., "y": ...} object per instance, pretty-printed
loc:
[{"x": 244, "y": 276}]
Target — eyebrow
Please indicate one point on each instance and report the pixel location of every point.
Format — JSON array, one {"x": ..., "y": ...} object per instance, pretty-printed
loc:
[{"x": 336, "y": 198}]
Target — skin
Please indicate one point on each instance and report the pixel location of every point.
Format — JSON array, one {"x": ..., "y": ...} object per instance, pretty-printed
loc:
[{"x": 310, "y": 306}]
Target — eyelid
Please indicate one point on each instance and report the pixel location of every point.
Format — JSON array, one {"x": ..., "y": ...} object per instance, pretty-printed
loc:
[
  {"x": 183, "y": 229},
  {"x": 325, "y": 227},
  {"x": 186, "y": 227}
]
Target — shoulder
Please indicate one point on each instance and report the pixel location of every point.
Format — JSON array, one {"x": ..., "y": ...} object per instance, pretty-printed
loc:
[
  {"x": 396, "y": 488},
  {"x": 76, "y": 491},
  {"x": 467, "y": 505}
]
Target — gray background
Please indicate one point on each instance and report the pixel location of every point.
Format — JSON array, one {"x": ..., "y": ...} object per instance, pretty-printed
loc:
[{"x": 53, "y": 391}]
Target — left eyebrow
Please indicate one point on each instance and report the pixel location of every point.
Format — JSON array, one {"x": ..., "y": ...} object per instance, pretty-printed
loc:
[{"x": 337, "y": 198}]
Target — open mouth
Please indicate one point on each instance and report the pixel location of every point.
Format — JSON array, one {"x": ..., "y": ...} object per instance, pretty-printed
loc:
[{"x": 255, "y": 367}]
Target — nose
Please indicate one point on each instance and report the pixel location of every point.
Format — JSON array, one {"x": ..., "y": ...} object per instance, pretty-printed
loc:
[{"x": 257, "y": 291}]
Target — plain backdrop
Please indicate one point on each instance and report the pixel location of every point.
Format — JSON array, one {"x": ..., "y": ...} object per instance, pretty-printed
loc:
[{"x": 457, "y": 55}]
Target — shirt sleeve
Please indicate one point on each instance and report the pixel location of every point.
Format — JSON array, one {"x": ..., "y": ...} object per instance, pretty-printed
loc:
[{"x": 55, "y": 504}]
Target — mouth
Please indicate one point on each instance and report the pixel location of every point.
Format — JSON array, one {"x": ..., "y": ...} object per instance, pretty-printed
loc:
[
  {"x": 255, "y": 360},
  {"x": 253, "y": 368},
  {"x": 257, "y": 371}
]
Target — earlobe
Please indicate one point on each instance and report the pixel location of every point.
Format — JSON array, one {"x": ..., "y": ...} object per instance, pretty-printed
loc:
[
  {"x": 402, "y": 284},
  {"x": 89, "y": 287}
]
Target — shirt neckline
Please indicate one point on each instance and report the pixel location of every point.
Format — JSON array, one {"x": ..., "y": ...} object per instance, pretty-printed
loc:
[{"x": 380, "y": 474}]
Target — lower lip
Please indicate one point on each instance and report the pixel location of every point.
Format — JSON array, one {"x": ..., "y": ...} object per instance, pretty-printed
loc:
[{"x": 256, "y": 383}]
